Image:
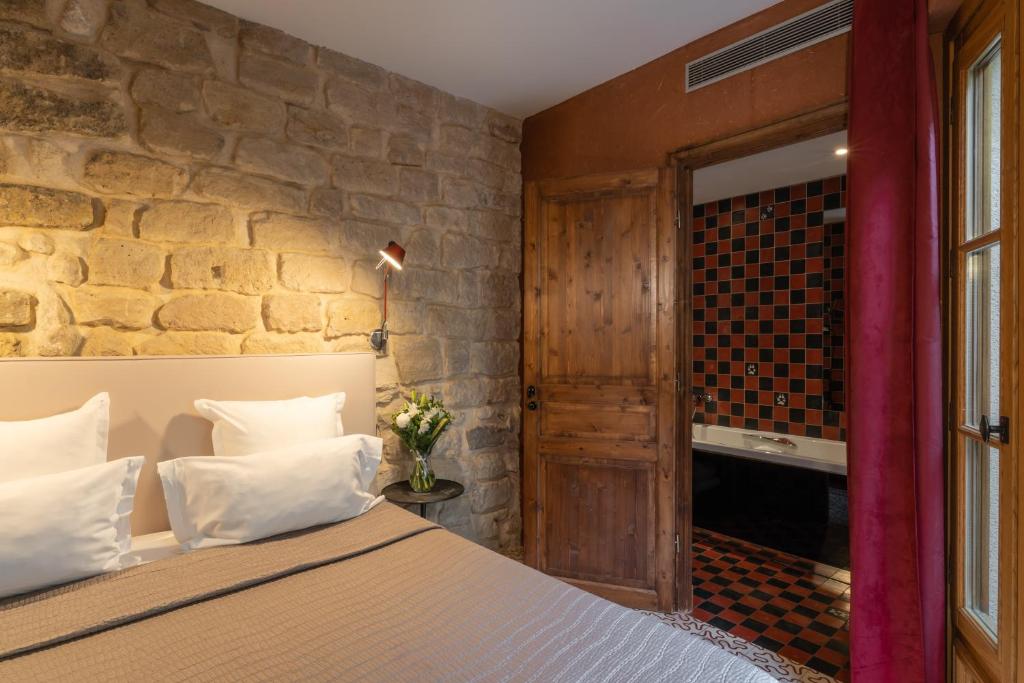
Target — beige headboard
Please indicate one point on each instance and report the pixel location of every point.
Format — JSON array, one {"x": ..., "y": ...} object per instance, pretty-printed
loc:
[{"x": 151, "y": 399}]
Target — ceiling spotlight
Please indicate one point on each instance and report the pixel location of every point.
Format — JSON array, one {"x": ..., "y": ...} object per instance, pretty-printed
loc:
[{"x": 842, "y": 151}]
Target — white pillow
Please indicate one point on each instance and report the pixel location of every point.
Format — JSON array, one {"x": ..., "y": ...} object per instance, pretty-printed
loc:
[
  {"x": 65, "y": 526},
  {"x": 69, "y": 441},
  {"x": 243, "y": 427},
  {"x": 215, "y": 501}
]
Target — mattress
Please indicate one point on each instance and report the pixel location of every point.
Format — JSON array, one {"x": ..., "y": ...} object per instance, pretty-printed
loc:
[{"x": 384, "y": 597}]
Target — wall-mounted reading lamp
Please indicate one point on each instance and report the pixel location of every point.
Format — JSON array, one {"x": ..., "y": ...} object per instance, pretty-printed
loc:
[{"x": 391, "y": 258}]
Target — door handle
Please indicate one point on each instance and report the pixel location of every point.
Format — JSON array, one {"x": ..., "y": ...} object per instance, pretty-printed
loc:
[
  {"x": 532, "y": 405},
  {"x": 1002, "y": 430}
]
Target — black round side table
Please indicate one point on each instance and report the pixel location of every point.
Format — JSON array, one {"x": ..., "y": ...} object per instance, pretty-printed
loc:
[{"x": 401, "y": 492}]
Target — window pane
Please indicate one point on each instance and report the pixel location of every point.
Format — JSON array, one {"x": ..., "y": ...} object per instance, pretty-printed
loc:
[
  {"x": 983, "y": 163},
  {"x": 981, "y": 547},
  {"x": 981, "y": 335}
]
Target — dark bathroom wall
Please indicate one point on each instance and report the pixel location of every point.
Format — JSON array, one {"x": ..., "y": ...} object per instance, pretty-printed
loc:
[{"x": 768, "y": 303}]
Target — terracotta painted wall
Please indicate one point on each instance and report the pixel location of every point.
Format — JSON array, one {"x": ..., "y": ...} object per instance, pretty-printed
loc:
[{"x": 634, "y": 120}]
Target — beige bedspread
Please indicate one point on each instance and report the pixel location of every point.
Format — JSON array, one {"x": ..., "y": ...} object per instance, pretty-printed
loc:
[{"x": 384, "y": 597}]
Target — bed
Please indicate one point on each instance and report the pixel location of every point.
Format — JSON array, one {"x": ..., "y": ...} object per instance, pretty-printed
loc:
[{"x": 386, "y": 596}]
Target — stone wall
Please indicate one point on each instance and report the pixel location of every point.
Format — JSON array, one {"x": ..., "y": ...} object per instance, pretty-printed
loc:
[{"x": 174, "y": 180}]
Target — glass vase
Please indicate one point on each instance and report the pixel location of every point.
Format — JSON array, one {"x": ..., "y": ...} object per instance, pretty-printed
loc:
[{"x": 422, "y": 478}]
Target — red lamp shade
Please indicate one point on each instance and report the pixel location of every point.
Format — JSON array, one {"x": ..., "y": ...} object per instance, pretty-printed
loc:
[{"x": 393, "y": 255}]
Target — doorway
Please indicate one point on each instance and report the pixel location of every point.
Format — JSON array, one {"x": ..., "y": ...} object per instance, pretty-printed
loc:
[{"x": 762, "y": 426}]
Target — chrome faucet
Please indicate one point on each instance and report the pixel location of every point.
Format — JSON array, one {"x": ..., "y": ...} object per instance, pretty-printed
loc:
[{"x": 701, "y": 396}]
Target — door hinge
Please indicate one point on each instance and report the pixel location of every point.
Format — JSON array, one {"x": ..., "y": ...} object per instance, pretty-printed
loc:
[{"x": 677, "y": 544}]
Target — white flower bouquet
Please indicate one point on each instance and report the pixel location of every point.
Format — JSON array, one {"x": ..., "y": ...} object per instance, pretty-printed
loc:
[{"x": 419, "y": 424}]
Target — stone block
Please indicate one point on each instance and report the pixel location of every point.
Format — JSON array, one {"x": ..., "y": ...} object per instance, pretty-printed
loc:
[
  {"x": 271, "y": 342},
  {"x": 210, "y": 311},
  {"x": 303, "y": 273},
  {"x": 10, "y": 346},
  {"x": 488, "y": 496},
  {"x": 59, "y": 342},
  {"x": 246, "y": 191},
  {"x": 354, "y": 174},
  {"x": 42, "y": 207},
  {"x": 117, "y": 307},
  {"x": 456, "y": 357},
  {"x": 317, "y": 128},
  {"x": 27, "y": 11},
  {"x": 358, "y": 105},
  {"x": 385, "y": 210},
  {"x": 132, "y": 174},
  {"x": 367, "y": 280},
  {"x": 29, "y": 52},
  {"x": 66, "y": 269},
  {"x": 486, "y": 436},
  {"x": 418, "y": 185},
  {"x": 238, "y": 108},
  {"x": 352, "y": 316},
  {"x": 460, "y": 111},
  {"x": 505, "y": 128},
  {"x": 190, "y": 344},
  {"x": 289, "y": 233},
  {"x": 246, "y": 271},
  {"x": 200, "y": 15},
  {"x": 104, "y": 341},
  {"x": 166, "y": 132},
  {"x": 412, "y": 93},
  {"x": 36, "y": 243},
  {"x": 462, "y": 251},
  {"x": 367, "y": 75},
  {"x": 17, "y": 309},
  {"x": 282, "y": 79},
  {"x": 84, "y": 18},
  {"x": 419, "y": 359},
  {"x": 172, "y": 91},
  {"x": 271, "y": 41},
  {"x": 419, "y": 284},
  {"x": 292, "y": 312},
  {"x": 495, "y": 358},
  {"x": 288, "y": 162},
  {"x": 405, "y": 151},
  {"x": 327, "y": 201},
  {"x": 10, "y": 254},
  {"x": 366, "y": 142},
  {"x": 133, "y": 31},
  {"x": 128, "y": 263},
  {"x": 30, "y": 108},
  {"x": 181, "y": 221}
]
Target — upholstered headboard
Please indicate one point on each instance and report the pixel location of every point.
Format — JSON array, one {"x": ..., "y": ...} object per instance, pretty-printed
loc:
[{"x": 151, "y": 401}]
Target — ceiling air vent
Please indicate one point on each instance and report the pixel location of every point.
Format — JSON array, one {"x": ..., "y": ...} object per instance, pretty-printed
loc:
[{"x": 821, "y": 23}]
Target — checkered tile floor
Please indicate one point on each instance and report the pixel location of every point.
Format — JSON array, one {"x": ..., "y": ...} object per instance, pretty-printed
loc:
[{"x": 783, "y": 603}]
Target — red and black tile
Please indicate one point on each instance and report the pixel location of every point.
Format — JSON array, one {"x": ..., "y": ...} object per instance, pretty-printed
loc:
[
  {"x": 768, "y": 303},
  {"x": 785, "y": 604}
]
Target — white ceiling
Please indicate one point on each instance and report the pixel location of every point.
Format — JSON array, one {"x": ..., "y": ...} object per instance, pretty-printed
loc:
[
  {"x": 518, "y": 56},
  {"x": 797, "y": 163}
]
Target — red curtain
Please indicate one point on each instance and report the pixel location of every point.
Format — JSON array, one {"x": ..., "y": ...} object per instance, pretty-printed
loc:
[{"x": 895, "y": 391}]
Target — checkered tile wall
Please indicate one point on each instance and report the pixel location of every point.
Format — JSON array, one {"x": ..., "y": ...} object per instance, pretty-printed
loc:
[{"x": 768, "y": 322}]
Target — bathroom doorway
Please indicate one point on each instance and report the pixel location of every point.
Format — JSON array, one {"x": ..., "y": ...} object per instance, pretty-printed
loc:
[{"x": 762, "y": 217}]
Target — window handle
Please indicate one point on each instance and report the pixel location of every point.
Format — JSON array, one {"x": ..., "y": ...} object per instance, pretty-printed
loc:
[{"x": 1002, "y": 430}]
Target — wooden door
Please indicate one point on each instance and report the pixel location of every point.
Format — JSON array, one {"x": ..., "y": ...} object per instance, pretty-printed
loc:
[
  {"x": 600, "y": 389},
  {"x": 984, "y": 344}
]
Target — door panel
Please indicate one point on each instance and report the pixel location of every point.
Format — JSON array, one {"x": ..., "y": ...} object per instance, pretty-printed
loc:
[{"x": 599, "y": 354}]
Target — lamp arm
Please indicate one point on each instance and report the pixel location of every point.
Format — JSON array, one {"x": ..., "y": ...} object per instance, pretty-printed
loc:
[{"x": 387, "y": 276}]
